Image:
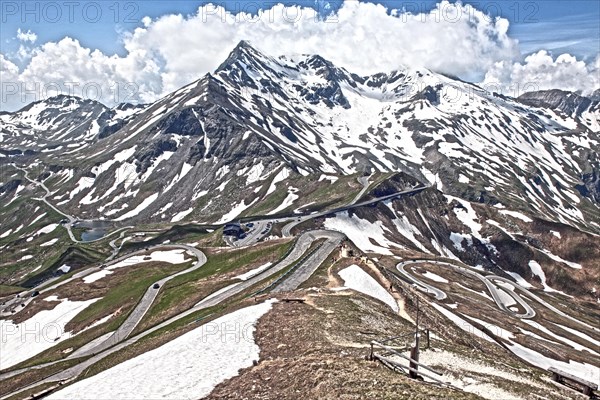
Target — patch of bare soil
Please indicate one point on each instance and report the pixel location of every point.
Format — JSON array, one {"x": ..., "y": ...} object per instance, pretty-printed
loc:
[{"x": 318, "y": 349}]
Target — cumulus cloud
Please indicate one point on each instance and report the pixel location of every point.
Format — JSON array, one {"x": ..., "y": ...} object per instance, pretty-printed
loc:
[
  {"x": 69, "y": 68},
  {"x": 27, "y": 40},
  {"x": 168, "y": 52},
  {"x": 363, "y": 37},
  {"x": 26, "y": 36},
  {"x": 8, "y": 70},
  {"x": 540, "y": 71}
]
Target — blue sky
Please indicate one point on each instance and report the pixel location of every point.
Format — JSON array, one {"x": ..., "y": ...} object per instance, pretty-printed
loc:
[
  {"x": 559, "y": 26},
  {"x": 554, "y": 44}
]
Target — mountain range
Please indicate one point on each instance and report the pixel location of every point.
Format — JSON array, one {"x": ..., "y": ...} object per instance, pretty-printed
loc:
[
  {"x": 343, "y": 186},
  {"x": 258, "y": 117}
]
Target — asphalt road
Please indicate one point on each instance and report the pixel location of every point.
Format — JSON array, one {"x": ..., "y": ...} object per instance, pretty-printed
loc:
[
  {"x": 145, "y": 303},
  {"x": 101, "y": 351},
  {"x": 286, "y": 231},
  {"x": 302, "y": 245},
  {"x": 25, "y": 297},
  {"x": 254, "y": 235},
  {"x": 539, "y": 300},
  {"x": 71, "y": 219},
  {"x": 310, "y": 265},
  {"x": 137, "y": 314},
  {"x": 487, "y": 281},
  {"x": 427, "y": 288},
  {"x": 113, "y": 245}
]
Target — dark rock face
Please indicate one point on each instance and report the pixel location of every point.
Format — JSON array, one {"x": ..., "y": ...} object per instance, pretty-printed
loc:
[
  {"x": 10, "y": 186},
  {"x": 11, "y": 152},
  {"x": 380, "y": 79},
  {"x": 286, "y": 131},
  {"x": 324, "y": 69},
  {"x": 400, "y": 181},
  {"x": 429, "y": 94},
  {"x": 331, "y": 95},
  {"x": 197, "y": 152},
  {"x": 108, "y": 122},
  {"x": 591, "y": 186},
  {"x": 147, "y": 154},
  {"x": 182, "y": 122},
  {"x": 108, "y": 130},
  {"x": 568, "y": 102}
]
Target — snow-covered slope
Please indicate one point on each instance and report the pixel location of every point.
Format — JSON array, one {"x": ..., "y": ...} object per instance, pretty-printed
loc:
[
  {"x": 59, "y": 125},
  {"x": 256, "y": 115},
  {"x": 188, "y": 367}
]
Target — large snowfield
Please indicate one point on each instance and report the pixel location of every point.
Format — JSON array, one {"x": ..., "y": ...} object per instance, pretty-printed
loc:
[
  {"x": 188, "y": 367},
  {"x": 357, "y": 279},
  {"x": 20, "y": 342}
]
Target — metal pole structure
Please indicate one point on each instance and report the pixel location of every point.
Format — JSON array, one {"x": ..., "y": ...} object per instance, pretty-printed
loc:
[{"x": 414, "y": 354}]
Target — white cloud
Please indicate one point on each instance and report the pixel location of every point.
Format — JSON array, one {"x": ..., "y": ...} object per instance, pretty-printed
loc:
[
  {"x": 540, "y": 71},
  {"x": 67, "y": 67},
  {"x": 26, "y": 36},
  {"x": 452, "y": 38},
  {"x": 8, "y": 70},
  {"x": 163, "y": 54}
]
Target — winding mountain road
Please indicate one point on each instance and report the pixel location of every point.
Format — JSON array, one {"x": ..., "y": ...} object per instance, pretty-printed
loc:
[
  {"x": 494, "y": 290},
  {"x": 113, "y": 245},
  {"x": 142, "y": 308},
  {"x": 487, "y": 281},
  {"x": 254, "y": 235},
  {"x": 310, "y": 265},
  {"x": 71, "y": 219},
  {"x": 427, "y": 288},
  {"x": 119, "y": 339}
]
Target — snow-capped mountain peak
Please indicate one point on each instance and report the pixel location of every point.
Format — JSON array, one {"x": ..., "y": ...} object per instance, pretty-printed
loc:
[{"x": 258, "y": 112}]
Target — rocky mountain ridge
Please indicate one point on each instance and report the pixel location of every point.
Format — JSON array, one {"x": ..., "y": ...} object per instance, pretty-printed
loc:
[{"x": 258, "y": 116}]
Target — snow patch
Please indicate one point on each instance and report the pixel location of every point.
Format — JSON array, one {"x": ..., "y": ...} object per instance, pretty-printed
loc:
[
  {"x": 141, "y": 207},
  {"x": 434, "y": 277},
  {"x": 253, "y": 272},
  {"x": 281, "y": 175},
  {"x": 357, "y": 279},
  {"x": 44, "y": 330},
  {"x": 190, "y": 366},
  {"x": 179, "y": 216},
  {"x": 288, "y": 201},
  {"x": 360, "y": 232},
  {"x": 517, "y": 215}
]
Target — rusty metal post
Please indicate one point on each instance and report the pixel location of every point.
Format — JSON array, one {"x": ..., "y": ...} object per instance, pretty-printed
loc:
[{"x": 414, "y": 353}]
